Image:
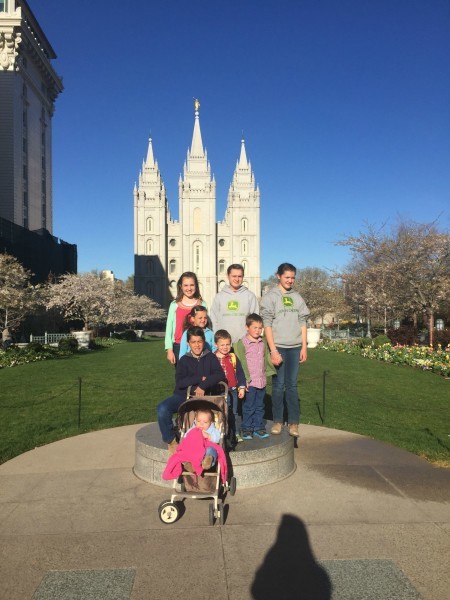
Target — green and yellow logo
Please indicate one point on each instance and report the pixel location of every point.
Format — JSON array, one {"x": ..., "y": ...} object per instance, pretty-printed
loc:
[
  {"x": 288, "y": 301},
  {"x": 233, "y": 305}
]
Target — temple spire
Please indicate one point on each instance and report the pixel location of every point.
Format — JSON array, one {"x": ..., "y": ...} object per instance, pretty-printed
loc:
[
  {"x": 197, "y": 145},
  {"x": 150, "y": 162},
  {"x": 243, "y": 158}
]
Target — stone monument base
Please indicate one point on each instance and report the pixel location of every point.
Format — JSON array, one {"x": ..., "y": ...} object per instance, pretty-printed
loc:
[{"x": 253, "y": 463}]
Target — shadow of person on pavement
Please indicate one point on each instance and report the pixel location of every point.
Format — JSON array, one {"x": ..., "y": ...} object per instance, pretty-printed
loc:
[{"x": 289, "y": 570}]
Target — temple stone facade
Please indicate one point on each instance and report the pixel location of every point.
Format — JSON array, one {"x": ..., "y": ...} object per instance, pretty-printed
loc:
[{"x": 165, "y": 248}]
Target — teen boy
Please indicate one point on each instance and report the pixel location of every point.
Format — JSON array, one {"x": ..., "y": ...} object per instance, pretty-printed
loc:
[{"x": 199, "y": 368}]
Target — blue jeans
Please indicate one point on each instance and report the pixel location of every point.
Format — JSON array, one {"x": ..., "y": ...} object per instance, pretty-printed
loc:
[
  {"x": 253, "y": 409},
  {"x": 286, "y": 381},
  {"x": 165, "y": 411},
  {"x": 213, "y": 453},
  {"x": 233, "y": 416}
]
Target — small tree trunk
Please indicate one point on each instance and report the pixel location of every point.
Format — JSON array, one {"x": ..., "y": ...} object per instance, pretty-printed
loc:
[{"x": 431, "y": 328}]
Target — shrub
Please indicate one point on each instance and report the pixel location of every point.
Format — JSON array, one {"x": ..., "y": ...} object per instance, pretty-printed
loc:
[
  {"x": 405, "y": 335},
  {"x": 129, "y": 335},
  {"x": 68, "y": 343},
  {"x": 35, "y": 347},
  {"x": 381, "y": 340},
  {"x": 364, "y": 342},
  {"x": 442, "y": 338}
]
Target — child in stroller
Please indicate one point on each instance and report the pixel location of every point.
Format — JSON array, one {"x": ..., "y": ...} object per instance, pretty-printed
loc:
[{"x": 193, "y": 462}]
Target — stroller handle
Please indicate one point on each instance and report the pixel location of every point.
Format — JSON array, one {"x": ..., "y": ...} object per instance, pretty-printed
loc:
[{"x": 221, "y": 383}]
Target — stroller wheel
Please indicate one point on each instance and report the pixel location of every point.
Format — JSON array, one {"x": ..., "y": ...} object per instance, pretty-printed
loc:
[
  {"x": 232, "y": 486},
  {"x": 168, "y": 512},
  {"x": 221, "y": 513},
  {"x": 211, "y": 513}
]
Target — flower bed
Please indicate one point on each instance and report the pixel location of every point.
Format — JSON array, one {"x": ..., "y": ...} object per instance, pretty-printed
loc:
[
  {"x": 34, "y": 353},
  {"x": 422, "y": 357}
]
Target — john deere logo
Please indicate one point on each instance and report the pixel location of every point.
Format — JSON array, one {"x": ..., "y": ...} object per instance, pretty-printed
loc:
[
  {"x": 233, "y": 305},
  {"x": 288, "y": 301}
]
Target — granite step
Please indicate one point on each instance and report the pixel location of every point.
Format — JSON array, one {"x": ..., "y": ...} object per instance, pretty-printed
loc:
[{"x": 254, "y": 462}]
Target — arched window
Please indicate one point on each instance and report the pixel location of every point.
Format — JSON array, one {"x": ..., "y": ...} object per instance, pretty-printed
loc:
[
  {"x": 245, "y": 265},
  {"x": 149, "y": 265},
  {"x": 244, "y": 247},
  {"x": 221, "y": 267},
  {"x": 172, "y": 266},
  {"x": 150, "y": 289},
  {"x": 149, "y": 224},
  {"x": 149, "y": 246},
  {"x": 244, "y": 225},
  {"x": 197, "y": 258},
  {"x": 197, "y": 220}
]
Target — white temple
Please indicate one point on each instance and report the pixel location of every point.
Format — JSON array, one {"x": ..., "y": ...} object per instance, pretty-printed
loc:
[{"x": 165, "y": 248}]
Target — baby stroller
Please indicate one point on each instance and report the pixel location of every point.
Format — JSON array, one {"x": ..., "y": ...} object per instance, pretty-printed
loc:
[{"x": 209, "y": 484}]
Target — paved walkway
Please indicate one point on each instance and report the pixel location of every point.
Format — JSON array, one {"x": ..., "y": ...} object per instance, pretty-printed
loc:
[{"x": 358, "y": 520}]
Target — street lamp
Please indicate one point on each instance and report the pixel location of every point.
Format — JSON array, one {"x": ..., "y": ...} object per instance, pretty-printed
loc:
[
  {"x": 396, "y": 324},
  {"x": 439, "y": 324}
]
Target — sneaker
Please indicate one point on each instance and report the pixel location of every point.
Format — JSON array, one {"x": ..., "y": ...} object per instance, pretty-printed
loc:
[
  {"x": 261, "y": 433},
  {"x": 293, "y": 430},
  {"x": 207, "y": 462},
  {"x": 172, "y": 447},
  {"x": 276, "y": 428},
  {"x": 188, "y": 467},
  {"x": 238, "y": 438},
  {"x": 247, "y": 435}
]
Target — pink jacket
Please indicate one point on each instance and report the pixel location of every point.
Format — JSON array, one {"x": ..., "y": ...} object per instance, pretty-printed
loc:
[{"x": 192, "y": 449}]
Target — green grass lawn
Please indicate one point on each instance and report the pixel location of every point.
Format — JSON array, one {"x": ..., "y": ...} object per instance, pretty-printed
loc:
[{"x": 123, "y": 384}]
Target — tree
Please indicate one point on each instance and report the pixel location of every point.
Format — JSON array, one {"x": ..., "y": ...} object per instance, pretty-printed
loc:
[
  {"x": 18, "y": 297},
  {"x": 85, "y": 296},
  {"x": 130, "y": 309},
  {"x": 98, "y": 301},
  {"x": 322, "y": 293},
  {"x": 407, "y": 269}
]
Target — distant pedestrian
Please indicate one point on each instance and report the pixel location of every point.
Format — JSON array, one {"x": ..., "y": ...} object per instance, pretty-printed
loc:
[{"x": 232, "y": 304}]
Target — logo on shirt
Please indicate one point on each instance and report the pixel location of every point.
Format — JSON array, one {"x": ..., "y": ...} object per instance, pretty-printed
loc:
[
  {"x": 288, "y": 301},
  {"x": 233, "y": 305}
]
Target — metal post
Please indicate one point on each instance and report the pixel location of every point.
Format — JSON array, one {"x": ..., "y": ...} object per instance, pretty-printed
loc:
[
  {"x": 79, "y": 402},
  {"x": 323, "y": 396}
]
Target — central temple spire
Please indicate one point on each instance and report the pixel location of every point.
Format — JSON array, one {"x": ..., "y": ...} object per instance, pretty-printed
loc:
[{"x": 197, "y": 145}]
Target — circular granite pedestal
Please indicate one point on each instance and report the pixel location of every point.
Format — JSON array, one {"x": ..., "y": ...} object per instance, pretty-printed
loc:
[{"x": 253, "y": 463}]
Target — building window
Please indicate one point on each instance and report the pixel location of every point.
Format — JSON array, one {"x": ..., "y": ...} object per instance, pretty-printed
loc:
[
  {"x": 173, "y": 285},
  {"x": 149, "y": 266},
  {"x": 244, "y": 265},
  {"x": 172, "y": 266},
  {"x": 244, "y": 247},
  {"x": 222, "y": 242},
  {"x": 197, "y": 258},
  {"x": 149, "y": 224},
  {"x": 244, "y": 226},
  {"x": 197, "y": 218},
  {"x": 150, "y": 289},
  {"x": 221, "y": 267},
  {"x": 172, "y": 242},
  {"x": 149, "y": 246},
  {"x": 221, "y": 284}
]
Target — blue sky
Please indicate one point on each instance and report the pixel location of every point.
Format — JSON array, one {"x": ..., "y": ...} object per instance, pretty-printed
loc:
[{"x": 344, "y": 106}]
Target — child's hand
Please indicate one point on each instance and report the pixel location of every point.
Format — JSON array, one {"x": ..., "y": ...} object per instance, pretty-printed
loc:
[
  {"x": 241, "y": 393},
  {"x": 276, "y": 359},
  {"x": 199, "y": 392},
  {"x": 203, "y": 378}
]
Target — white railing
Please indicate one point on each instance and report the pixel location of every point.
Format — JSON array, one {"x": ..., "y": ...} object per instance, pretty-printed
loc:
[{"x": 49, "y": 338}]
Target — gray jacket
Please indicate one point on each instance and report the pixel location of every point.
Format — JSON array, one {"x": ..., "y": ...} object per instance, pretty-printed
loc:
[
  {"x": 229, "y": 309},
  {"x": 286, "y": 313}
]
